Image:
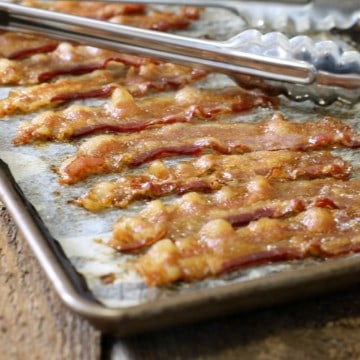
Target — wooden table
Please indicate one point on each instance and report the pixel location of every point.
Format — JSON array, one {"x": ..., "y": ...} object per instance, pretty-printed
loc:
[{"x": 35, "y": 325}]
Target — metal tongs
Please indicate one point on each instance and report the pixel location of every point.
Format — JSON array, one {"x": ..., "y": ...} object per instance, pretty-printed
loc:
[{"x": 297, "y": 67}]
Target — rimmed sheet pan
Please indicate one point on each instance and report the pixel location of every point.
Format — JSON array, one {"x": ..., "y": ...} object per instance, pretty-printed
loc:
[{"x": 66, "y": 239}]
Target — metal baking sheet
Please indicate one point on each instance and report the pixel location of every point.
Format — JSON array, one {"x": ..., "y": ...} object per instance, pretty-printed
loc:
[{"x": 70, "y": 243}]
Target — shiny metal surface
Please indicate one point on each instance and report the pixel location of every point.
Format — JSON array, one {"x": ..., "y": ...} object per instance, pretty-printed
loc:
[{"x": 224, "y": 56}]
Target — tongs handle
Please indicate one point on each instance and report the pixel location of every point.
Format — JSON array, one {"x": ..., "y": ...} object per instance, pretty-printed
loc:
[{"x": 221, "y": 56}]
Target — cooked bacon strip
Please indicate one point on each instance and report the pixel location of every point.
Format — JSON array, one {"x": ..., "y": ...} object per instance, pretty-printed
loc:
[
  {"x": 160, "y": 20},
  {"x": 239, "y": 205},
  {"x": 67, "y": 59},
  {"x": 126, "y": 14},
  {"x": 100, "y": 83},
  {"x": 160, "y": 77},
  {"x": 91, "y": 9},
  {"x": 110, "y": 153},
  {"x": 209, "y": 173},
  {"x": 218, "y": 248},
  {"x": 18, "y": 45},
  {"x": 200, "y": 238},
  {"x": 124, "y": 114}
]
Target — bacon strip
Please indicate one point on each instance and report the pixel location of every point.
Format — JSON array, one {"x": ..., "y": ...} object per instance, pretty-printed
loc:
[
  {"x": 124, "y": 114},
  {"x": 210, "y": 173},
  {"x": 201, "y": 237},
  {"x": 126, "y": 14},
  {"x": 220, "y": 248},
  {"x": 67, "y": 59},
  {"x": 239, "y": 205},
  {"x": 91, "y": 9},
  {"x": 17, "y": 45},
  {"x": 100, "y": 83},
  {"x": 160, "y": 20},
  {"x": 110, "y": 153}
]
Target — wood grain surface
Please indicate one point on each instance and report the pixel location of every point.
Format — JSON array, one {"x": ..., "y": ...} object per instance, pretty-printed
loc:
[
  {"x": 35, "y": 325},
  {"x": 325, "y": 328}
]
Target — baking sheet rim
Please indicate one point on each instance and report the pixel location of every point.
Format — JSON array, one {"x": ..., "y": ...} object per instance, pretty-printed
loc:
[{"x": 261, "y": 292}]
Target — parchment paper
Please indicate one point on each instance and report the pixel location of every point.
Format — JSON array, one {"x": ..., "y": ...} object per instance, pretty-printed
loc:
[{"x": 83, "y": 235}]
